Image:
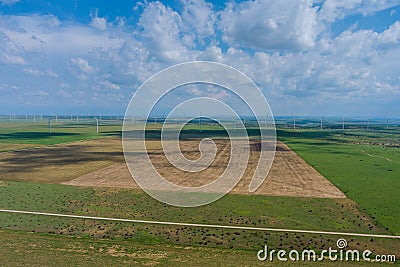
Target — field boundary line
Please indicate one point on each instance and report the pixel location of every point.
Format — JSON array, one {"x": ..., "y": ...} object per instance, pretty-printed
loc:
[
  {"x": 232, "y": 227},
  {"x": 368, "y": 154}
]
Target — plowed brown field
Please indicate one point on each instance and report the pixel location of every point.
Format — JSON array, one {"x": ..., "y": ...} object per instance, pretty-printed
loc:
[{"x": 290, "y": 175}]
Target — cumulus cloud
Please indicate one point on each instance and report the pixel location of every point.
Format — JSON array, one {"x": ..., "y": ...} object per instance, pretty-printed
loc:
[
  {"x": 332, "y": 10},
  {"x": 161, "y": 32},
  {"x": 111, "y": 85},
  {"x": 82, "y": 64},
  {"x": 198, "y": 21},
  {"x": 271, "y": 25},
  {"x": 97, "y": 22},
  {"x": 284, "y": 46}
]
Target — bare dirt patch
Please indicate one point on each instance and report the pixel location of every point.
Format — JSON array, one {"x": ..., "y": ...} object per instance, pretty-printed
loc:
[
  {"x": 60, "y": 163},
  {"x": 290, "y": 175}
]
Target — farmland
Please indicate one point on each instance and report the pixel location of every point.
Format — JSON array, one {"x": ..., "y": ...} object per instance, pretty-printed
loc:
[
  {"x": 362, "y": 164},
  {"x": 21, "y": 133}
]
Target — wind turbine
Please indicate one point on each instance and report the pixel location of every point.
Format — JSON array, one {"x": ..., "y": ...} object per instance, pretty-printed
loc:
[
  {"x": 97, "y": 124},
  {"x": 322, "y": 119},
  {"x": 294, "y": 123}
]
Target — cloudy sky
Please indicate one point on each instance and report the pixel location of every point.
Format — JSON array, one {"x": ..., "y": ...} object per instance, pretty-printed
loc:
[{"x": 309, "y": 57}]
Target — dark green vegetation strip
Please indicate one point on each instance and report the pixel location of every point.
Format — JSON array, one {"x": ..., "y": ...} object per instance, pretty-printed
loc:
[{"x": 364, "y": 165}]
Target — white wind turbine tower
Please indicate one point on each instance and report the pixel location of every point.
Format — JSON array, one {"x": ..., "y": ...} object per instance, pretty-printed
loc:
[
  {"x": 294, "y": 123},
  {"x": 322, "y": 120},
  {"x": 97, "y": 124},
  {"x": 343, "y": 123}
]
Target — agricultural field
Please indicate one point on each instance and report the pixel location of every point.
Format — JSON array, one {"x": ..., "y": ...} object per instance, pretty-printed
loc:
[
  {"x": 26, "y": 133},
  {"x": 364, "y": 165},
  {"x": 330, "y": 180}
]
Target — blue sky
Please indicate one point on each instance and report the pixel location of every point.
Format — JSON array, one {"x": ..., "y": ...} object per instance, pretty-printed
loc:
[{"x": 308, "y": 57}]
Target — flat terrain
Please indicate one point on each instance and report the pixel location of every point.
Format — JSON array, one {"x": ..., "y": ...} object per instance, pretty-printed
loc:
[
  {"x": 52, "y": 250},
  {"x": 363, "y": 164},
  {"x": 100, "y": 163},
  {"x": 325, "y": 214},
  {"x": 60, "y": 163},
  {"x": 27, "y": 134},
  {"x": 290, "y": 175}
]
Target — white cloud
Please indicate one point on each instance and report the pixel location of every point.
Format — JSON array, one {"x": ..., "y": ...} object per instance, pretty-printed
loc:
[
  {"x": 271, "y": 25},
  {"x": 82, "y": 64},
  {"x": 52, "y": 74},
  {"x": 392, "y": 34},
  {"x": 294, "y": 59},
  {"x": 47, "y": 35},
  {"x": 212, "y": 53},
  {"x": 32, "y": 72},
  {"x": 110, "y": 85},
  {"x": 97, "y": 22},
  {"x": 13, "y": 59},
  {"x": 332, "y": 10},
  {"x": 336, "y": 9},
  {"x": 9, "y": 2},
  {"x": 198, "y": 20},
  {"x": 161, "y": 33}
]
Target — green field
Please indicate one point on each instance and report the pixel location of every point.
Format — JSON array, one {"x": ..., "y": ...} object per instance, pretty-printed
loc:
[
  {"x": 19, "y": 248},
  {"x": 25, "y": 134},
  {"x": 363, "y": 164},
  {"x": 360, "y": 164}
]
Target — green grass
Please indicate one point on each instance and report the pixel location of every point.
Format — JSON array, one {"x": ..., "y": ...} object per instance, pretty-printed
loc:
[
  {"x": 367, "y": 171},
  {"x": 256, "y": 210},
  {"x": 340, "y": 215},
  {"x": 363, "y": 164},
  {"x": 22, "y": 134},
  {"x": 33, "y": 249}
]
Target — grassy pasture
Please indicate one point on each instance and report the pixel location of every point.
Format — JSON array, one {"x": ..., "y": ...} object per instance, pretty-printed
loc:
[
  {"x": 41, "y": 249},
  {"x": 258, "y": 211},
  {"x": 360, "y": 164}
]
